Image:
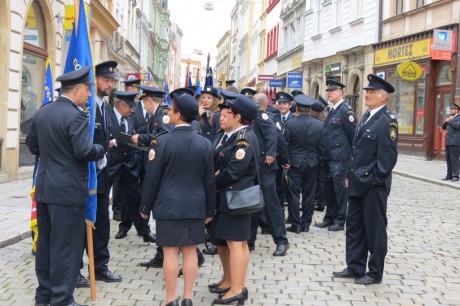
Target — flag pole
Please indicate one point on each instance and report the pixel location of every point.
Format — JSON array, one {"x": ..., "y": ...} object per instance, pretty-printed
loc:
[{"x": 89, "y": 227}]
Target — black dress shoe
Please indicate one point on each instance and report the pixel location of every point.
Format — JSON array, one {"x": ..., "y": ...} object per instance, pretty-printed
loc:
[
  {"x": 251, "y": 248},
  {"x": 201, "y": 259},
  {"x": 323, "y": 224},
  {"x": 281, "y": 249},
  {"x": 237, "y": 298},
  {"x": 245, "y": 293},
  {"x": 455, "y": 179},
  {"x": 446, "y": 178},
  {"x": 76, "y": 304},
  {"x": 173, "y": 303},
  {"x": 345, "y": 273},
  {"x": 121, "y": 234},
  {"x": 150, "y": 238},
  {"x": 219, "y": 290},
  {"x": 367, "y": 280},
  {"x": 294, "y": 229},
  {"x": 214, "y": 285},
  {"x": 305, "y": 229},
  {"x": 212, "y": 250},
  {"x": 153, "y": 263},
  {"x": 82, "y": 282},
  {"x": 108, "y": 277},
  {"x": 186, "y": 302},
  {"x": 117, "y": 217},
  {"x": 335, "y": 227}
]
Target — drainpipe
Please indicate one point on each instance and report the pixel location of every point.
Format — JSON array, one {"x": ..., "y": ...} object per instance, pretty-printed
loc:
[{"x": 457, "y": 89}]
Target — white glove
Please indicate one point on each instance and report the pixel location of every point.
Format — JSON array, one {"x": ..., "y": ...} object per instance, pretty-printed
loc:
[{"x": 102, "y": 162}]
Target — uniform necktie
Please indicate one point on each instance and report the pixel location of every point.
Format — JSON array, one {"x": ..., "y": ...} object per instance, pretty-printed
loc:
[
  {"x": 224, "y": 139},
  {"x": 284, "y": 119},
  {"x": 147, "y": 116},
  {"x": 122, "y": 124},
  {"x": 363, "y": 120}
]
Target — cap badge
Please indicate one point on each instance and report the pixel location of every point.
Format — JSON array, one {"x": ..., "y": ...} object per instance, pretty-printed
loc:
[
  {"x": 110, "y": 69},
  {"x": 240, "y": 154},
  {"x": 208, "y": 89}
]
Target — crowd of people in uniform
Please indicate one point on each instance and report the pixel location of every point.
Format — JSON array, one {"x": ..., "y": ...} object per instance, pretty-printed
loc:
[{"x": 176, "y": 162}]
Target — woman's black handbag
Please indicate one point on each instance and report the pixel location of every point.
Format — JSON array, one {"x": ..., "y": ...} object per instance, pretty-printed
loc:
[{"x": 246, "y": 201}]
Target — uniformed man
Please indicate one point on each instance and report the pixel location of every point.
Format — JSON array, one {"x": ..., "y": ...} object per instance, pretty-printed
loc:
[
  {"x": 267, "y": 136},
  {"x": 105, "y": 76},
  {"x": 125, "y": 165},
  {"x": 302, "y": 135},
  {"x": 319, "y": 109},
  {"x": 293, "y": 103},
  {"x": 452, "y": 127},
  {"x": 283, "y": 101},
  {"x": 230, "y": 86},
  {"x": 373, "y": 158},
  {"x": 61, "y": 137},
  {"x": 336, "y": 139}
]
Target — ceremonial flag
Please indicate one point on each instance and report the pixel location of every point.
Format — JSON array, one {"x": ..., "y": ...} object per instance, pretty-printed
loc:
[
  {"x": 209, "y": 77},
  {"x": 48, "y": 96},
  {"x": 166, "y": 97},
  {"x": 189, "y": 84},
  {"x": 224, "y": 80},
  {"x": 78, "y": 56},
  {"x": 198, "y": 88}
]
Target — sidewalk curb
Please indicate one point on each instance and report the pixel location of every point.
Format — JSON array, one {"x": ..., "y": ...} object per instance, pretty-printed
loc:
[
  {"x": 427, "y": 180},
  {"x": 15, "y": 239}
]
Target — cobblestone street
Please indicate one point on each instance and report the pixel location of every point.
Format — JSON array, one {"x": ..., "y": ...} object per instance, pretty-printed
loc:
[{"x": 422, "y": 265}]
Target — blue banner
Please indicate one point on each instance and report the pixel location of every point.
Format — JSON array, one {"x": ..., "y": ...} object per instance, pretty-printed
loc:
[
  {"x": 276, "y": 83},
  {"x": 79, "y": 56}
]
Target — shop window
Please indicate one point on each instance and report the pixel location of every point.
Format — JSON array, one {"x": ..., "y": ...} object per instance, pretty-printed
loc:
[
  {"x": 445, "y": 76},
  {"x": 33, "y": 74}
]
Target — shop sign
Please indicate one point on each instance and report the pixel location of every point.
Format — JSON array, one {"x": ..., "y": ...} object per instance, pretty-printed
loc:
[
  {"x": 409, "y": 71},
  {"x": 397, "y": 54},
  {"x": 265, "y": 77},
  {"x": 443, "y": 55},
  {"x": 294, "y": 80},
  {"x": 442, "y": 40},
  {"x": 333, "y": 69},
  {"x": 276, "y": 83},
  {"x": 69, "y": 17}
]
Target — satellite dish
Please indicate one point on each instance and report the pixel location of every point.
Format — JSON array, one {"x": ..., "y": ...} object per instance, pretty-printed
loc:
[{"x": 209, "y": 6}]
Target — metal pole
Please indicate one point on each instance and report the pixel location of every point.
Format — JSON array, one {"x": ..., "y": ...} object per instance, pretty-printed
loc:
[{"x": 457, "y": 89}]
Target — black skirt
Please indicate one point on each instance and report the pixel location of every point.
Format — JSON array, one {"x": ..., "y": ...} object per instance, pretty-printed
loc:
[
  {"x": 231, "y": 227},
  {"x": 180, "y": 232}
]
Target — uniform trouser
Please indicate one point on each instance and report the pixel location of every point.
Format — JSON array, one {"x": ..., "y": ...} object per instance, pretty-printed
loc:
[
  {"x": 101, "y": 235},
  {"x": 130, "y": 194},
  {"x": 272, "y": 209},
  {"x": 117, "y": 207},
  {"x": 366, "y": 232},
  {"x": 59, "y": 247},
  {"x": 322, "y": 175},
  {"x": 452, "y": 160},
  {"x": 336, "y": 192},
  {"x": 302, "y": 179}
]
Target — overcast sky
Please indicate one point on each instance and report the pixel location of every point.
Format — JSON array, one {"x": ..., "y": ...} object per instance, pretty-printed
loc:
[{"x": 202, "y": 29}]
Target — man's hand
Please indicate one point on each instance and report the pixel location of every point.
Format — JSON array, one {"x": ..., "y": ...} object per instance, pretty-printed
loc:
[
  {"x": 269, "y": 160},
  {"x": 207, "y": 220},
  {"x": 113, "y": 143},
  {"x": 287, "y": 166},
  {"x": 217, "y": 173},
  {"x": 144, "y": 216},
  {"x": 135, "y": 138}
]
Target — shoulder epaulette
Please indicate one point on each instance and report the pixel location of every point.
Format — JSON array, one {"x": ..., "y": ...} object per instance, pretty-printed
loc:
[
  {"x": 165, "y": 111},
  {"x": 241, "y": 134},
  {"x": 391, "y": 115}
]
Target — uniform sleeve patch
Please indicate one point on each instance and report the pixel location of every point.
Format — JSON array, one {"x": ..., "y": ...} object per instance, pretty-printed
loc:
[
  {"x": 264, "y": 116},
  {"x": 395, "y": 124},
  {"x": 393, "y": 133},
  {"x": 240, "y": 153},
  {"x": 351, "y": 118},
  {"x": 154, "y": 142},
  {"x": 166, "y": 119},
  {"x": 151, "y": 154}
]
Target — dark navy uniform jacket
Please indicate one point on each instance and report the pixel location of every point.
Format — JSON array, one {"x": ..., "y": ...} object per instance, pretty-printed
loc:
[
  {"x": 302, "y": 135},
  {"x": 181, "y": 158},
  {"x": 141, "y": 123},
  {"x": 339, "y": 128},
  {"x": 273, "y": 110},
  {"x": 374, "y": 153},
  {"x": 267, "y": 138},
  {"x": 452, "y": 131},
  {"x": 60, "y": 136},
  {"x": 235, "y": 161},
  {"x": 101, "y": 137},
  {"x": 123, "y": 155},
  {"x": 158, "y": 123},
  {"x": 209, "y": 129}
]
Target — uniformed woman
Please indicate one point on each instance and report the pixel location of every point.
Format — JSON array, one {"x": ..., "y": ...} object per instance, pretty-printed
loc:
[
  {"x": 209, "y": 111},
  {"x": 235, "y": 166}
]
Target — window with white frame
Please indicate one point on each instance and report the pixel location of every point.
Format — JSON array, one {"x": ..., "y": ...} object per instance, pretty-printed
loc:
[
  {"x": 357, "y": 9},
  {"x": 337, "y": 14},
  {"x": 317, "y": 24}
]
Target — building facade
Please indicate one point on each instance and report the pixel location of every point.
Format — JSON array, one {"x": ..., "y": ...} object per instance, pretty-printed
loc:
[
  {"x": 223, "y": 58},
  {"x": 175, "y": 54},
  {"x": 424, "y": 34}
]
